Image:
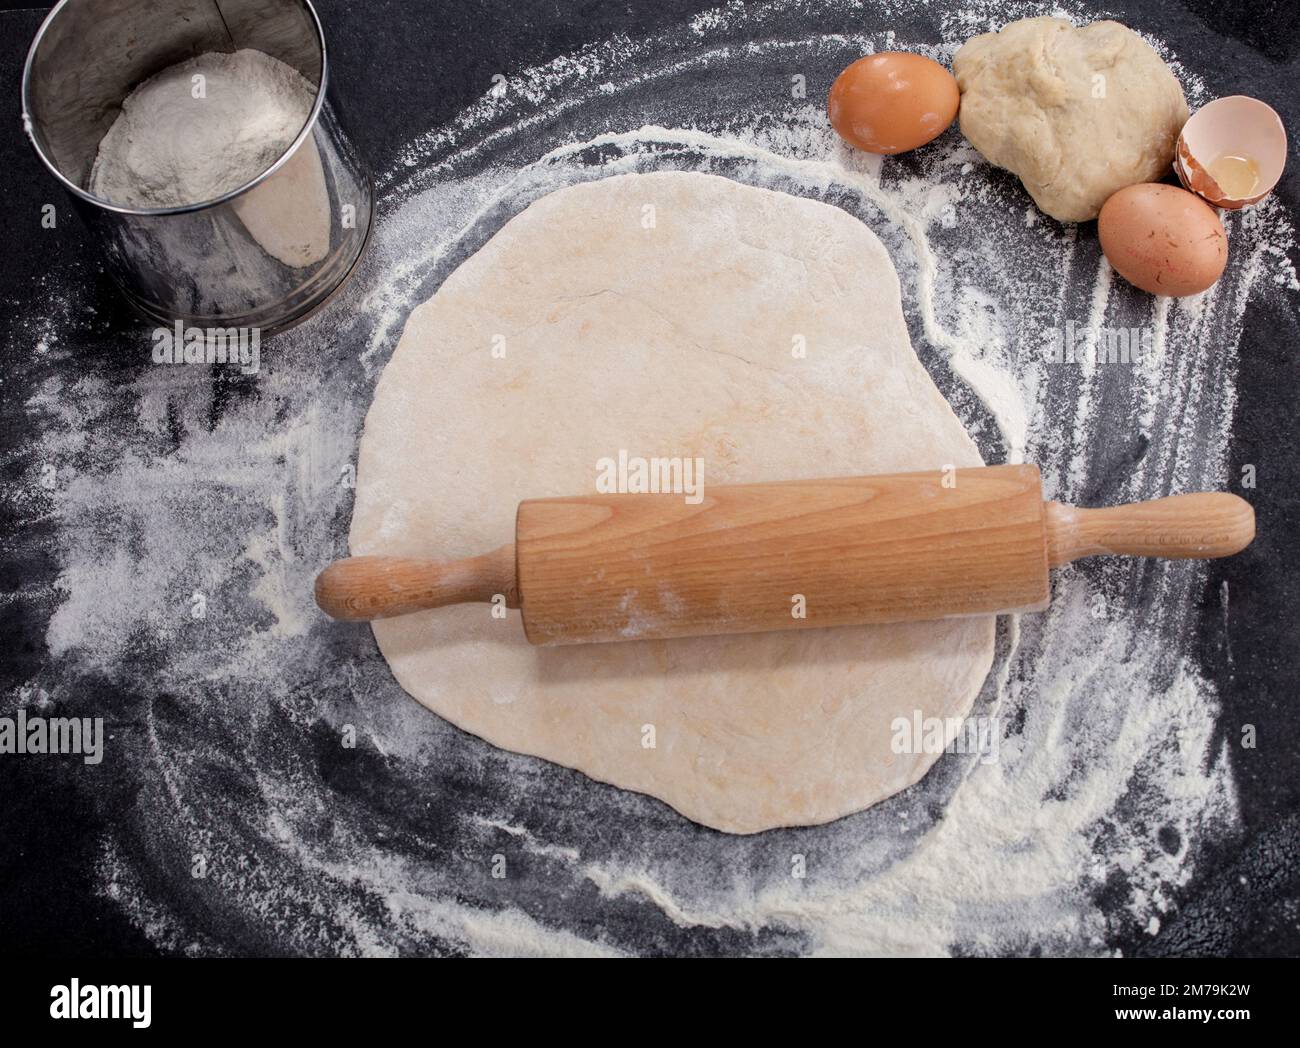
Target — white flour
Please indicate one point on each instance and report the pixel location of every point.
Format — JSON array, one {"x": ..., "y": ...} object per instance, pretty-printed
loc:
[
  {"x": 1109, "y": 779},
  {"x": 200, "y": 129}
]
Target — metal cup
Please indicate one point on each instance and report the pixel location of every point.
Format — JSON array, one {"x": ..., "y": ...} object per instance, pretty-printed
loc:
[{"x": 264, "y": 255}]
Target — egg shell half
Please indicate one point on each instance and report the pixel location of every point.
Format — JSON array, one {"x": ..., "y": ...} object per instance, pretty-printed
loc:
[
  {"x": 1163, "y": 239},
  {"x": 1237, "y": 125}
]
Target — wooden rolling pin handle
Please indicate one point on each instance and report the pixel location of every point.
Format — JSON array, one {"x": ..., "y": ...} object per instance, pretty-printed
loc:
[
  {"x": 363, "y": 588},
  {"x": 1209, "y": 524}
]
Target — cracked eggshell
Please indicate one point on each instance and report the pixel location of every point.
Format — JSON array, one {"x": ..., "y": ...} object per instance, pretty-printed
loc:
[
  {"x": 1235, "y": 125},
  {"x": 1163, "y": 239}
]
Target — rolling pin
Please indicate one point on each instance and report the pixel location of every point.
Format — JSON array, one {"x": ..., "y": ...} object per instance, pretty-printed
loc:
[{"x": 794, "y": 555}]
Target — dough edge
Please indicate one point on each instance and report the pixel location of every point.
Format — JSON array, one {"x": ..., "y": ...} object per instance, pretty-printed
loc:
[{"x": 979, "y": 633}]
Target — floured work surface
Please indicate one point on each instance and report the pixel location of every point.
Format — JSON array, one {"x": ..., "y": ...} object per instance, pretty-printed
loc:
[{"x": 674, "y": 315}]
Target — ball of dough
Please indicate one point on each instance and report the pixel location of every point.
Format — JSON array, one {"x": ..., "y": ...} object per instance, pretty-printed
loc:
[{"x": 1076, "y": 113}]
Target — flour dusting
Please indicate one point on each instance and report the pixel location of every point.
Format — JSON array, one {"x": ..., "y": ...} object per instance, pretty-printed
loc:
[
  {"x": 200, "y": 129},
  {"x": 188, "y": 556}
]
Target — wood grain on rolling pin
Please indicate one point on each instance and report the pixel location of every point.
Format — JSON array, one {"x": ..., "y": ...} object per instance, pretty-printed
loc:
[{"x": 614, "y": 567}]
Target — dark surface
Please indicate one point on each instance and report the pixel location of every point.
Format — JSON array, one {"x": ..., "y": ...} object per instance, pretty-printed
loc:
[{"x": 434, "y": 59}]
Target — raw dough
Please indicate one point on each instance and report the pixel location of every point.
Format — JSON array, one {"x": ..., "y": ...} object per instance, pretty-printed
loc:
[
  {"x": 657, "y": 313},
  {"x": 1076, "y": 113}
]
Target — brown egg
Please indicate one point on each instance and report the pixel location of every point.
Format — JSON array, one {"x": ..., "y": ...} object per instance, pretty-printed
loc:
[
  {"x": 1163, "y": 239},
  {"x": 893, "y": 102}
]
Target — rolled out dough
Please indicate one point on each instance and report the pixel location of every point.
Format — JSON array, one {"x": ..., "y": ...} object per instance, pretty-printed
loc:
[{"x": 660, "y": 314}]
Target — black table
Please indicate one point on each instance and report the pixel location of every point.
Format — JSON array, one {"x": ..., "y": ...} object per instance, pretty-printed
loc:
[{"x": 174, "y": 845}]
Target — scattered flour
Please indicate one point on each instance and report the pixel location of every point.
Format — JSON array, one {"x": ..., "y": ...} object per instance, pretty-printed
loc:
[{"x": 1107, "y": 753}]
